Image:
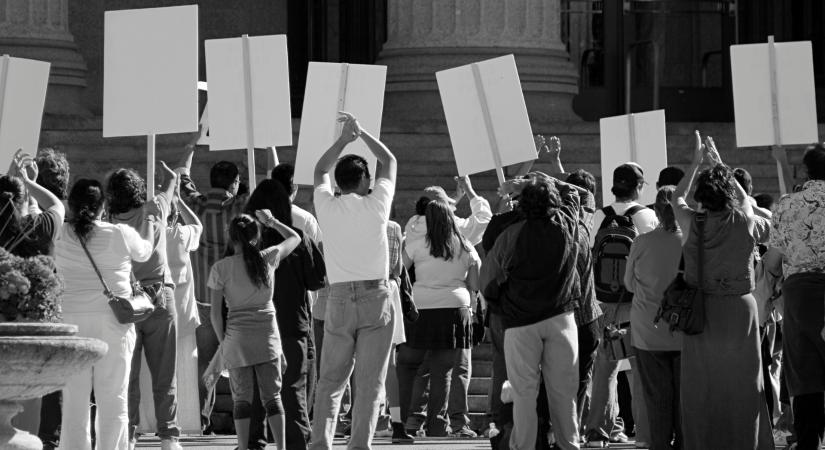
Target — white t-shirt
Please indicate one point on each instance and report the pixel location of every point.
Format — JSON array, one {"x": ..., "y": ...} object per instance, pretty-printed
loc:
[
  {"x": 305, "y": 221},
  {"x": 645, "y": 220},
  {"x": 113, "y": 248},
  {"x": 440, "y": 283},
  {"x": 355, "y": 232}
]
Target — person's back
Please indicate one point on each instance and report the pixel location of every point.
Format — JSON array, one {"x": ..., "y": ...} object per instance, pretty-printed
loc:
[
  {"x": 441, "y": 283},
  {"x": 155, "y": 269},
  {"x": 728, "y": 254}
]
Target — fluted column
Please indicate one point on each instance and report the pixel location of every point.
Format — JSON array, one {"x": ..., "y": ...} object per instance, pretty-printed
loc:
[
  {"x": 39, "y": 29},
  {"x": 425, "y": 36}
]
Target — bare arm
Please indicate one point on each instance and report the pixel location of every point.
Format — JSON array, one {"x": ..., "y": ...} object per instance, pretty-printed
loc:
[
  {"x": 170, "y": 180},
  {"x": 187, "y": 215},
  {"x": 26, "y": 168},
  {"x": 349, "y": 133},
  {"x": 684, "y": 215},
  {"x": 216, "y": 298},
  {"x": 273, "y": 255},
  {"x": 388, "y": 166}
]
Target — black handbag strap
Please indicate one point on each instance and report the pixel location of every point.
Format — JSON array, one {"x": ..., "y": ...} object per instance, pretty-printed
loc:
[
  {"x": 700, "y": 225},
  {"x": 106, "y": 289}
]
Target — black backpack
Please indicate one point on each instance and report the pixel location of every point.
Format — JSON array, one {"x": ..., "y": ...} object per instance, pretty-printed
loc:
[{"x": 612, "y": 247}]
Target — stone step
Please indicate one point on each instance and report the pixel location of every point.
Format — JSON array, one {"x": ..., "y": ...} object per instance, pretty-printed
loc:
[
  {"x": 477, "y": 403},
  {"x": 480, "y": 385},
  {"x": 482, "y": 369}
]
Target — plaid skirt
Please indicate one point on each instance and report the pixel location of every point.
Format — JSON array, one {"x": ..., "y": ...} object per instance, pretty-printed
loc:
[{"x": 441, "y": 329}]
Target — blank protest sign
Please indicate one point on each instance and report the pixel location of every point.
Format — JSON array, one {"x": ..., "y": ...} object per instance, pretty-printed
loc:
[
  {"x": 23, "y": 84},
  {"x": 796, "y": 94},
  {"x": 271, "y": 111},
  {"x": 492, "y": 89},
  {"x": 332, "y": 87},
  {"x": 639, "y": 138},
  {"x": 150, "y": 71}
]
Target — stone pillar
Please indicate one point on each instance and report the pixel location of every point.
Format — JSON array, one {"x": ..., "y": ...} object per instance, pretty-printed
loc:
[
  {"x": 425, "y": 36},
  {"x": 39, "y": 29}
]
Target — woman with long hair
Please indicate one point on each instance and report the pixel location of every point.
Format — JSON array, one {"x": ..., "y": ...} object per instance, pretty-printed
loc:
[
  {"x": 251, "y": 343},
  {"x": 300, "y": 272},
  {"x": 446, "y": 279},
  {"x": 112, "y": 248},
  {"x": 652, "y": 264},
  {"x": 21, "y": 233},
  {"x": 721, "y": 366}
]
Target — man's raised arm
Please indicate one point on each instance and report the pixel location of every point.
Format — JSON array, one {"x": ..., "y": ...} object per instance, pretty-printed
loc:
[{"x": 349, "y": 132}]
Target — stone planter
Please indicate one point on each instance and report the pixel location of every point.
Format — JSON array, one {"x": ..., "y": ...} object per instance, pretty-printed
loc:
[{"x": 35, "y": 359}]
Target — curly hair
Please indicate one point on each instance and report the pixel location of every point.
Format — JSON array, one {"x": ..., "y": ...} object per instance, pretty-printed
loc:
[
  {"x": 715, "y": 189},
  {"x": 537, "y": 199},
  {"x": 125, "y": 191},
  {"x": 582, "y": 179},
  {"x": 814, "y": 161},
  {"x": 53, "y": 172}
]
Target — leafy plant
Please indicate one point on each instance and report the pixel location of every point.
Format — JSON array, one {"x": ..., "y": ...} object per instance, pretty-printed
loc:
[{"x": 30, "y": 289}]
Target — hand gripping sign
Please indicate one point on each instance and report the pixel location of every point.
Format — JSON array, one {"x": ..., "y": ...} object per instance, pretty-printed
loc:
[
  {"x": 333, "y": 87},
  {"x": 774, "y": 96},
  {"x": 150, "y": 75},
  {"x": 639, "y": 138},
  {"x": 486, "y": 116}
]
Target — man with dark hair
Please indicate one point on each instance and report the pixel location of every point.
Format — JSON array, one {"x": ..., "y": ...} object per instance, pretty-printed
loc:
[
  {"x": 798, "y": 225},
  {"x": 743, "y": 177},
  {"x": 157, "y": 335},
  {"x": 53, "y": 172},
  {"x": 670, "y": 176},
  {"x": 301, "y": 219},
  {"x": 359, "y": 323},
  {"x": 530, "y": 278}
]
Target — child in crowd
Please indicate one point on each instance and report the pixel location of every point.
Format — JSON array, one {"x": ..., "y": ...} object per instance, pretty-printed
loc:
[{"x": 251, "y": 341}]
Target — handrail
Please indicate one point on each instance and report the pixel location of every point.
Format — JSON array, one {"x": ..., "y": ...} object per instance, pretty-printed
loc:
[
  {"x": 628, "y": 68},
  {"x": 705, "y": 60}
]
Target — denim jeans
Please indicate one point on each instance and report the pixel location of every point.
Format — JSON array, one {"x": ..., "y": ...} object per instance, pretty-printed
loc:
[
  {"x": 547, "y": 349},
  {"x": 457, "y": 406},
  {"x": 659, "y": 373},
  {"x": 157, "y": 337},
  {"x": 358, "y": 330}
]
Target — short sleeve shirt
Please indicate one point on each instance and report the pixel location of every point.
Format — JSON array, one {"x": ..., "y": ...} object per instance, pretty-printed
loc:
[
  {"x": 156, "y": 269},
  {"x": 441, "y": 283},
  {"x": 42, "y": 229},
  {"x": 355, "y": 232}
]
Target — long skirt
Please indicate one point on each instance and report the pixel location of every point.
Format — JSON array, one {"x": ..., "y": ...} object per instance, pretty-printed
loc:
[{"x": 722, "y": 391}]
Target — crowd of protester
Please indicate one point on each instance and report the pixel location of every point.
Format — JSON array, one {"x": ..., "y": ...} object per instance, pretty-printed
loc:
[{"x": 305, "y": 310}]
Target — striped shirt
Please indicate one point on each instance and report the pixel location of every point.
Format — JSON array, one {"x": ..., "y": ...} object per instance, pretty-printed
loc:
[
  {"x": 215, "y": 209},
  {"x": 394, "y": 239}
]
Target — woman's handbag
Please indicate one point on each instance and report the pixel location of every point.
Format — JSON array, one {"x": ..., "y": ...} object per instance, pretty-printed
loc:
[
  {"x": 127, "y": 310},
  {"x": 683, "y": 306}
]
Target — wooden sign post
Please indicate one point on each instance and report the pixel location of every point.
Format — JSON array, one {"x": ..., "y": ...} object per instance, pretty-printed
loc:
[
  {"x": 486, "y": 116},
  {"x": 333, "y": 87},
  {"x": 150, "y": 75},
  {"x": 777, "y": 132}
]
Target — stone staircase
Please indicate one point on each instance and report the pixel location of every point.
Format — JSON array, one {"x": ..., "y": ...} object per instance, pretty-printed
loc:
[{"x": 477, "y": 398}]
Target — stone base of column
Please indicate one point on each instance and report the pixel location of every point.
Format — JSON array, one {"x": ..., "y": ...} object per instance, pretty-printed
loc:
[
  {"x": 548, "y": 79},
  {"x": 67, "y": 78}
]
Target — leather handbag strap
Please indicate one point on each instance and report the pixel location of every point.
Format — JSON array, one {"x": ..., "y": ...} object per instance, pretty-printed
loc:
[
  {"x": 106, "y": 289},
  {"x": 700, "y": 225}
]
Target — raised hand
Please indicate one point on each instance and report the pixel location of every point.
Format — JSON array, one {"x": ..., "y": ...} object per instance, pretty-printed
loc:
[
  {"x": 351, "y": 129},
  {"x": 698, "y": 148},
  {"x": 22, "y": 164},
  {"x": 712, "y": 153},
  {"x": 541, "y": 143},
  {"x": 265, "y": 217},
  {"x": 555, "y": 147}
]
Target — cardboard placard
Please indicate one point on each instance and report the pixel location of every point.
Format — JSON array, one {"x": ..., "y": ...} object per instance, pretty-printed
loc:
[
  {"x": 486, "y": 115},
  {"x": 639, "y": 138},
  {"x": 150, "y": 71},
  {"x": 332, "y": 87},
  {"x": 23, "y": 84},
  {"x": 271, "y": 111},
  {"x": 753, "y": 94}
]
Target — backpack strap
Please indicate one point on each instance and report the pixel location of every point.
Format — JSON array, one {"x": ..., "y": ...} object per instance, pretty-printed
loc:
[
  {"x": 608, "y": 213},
  {"x": 630, "y": 212}
]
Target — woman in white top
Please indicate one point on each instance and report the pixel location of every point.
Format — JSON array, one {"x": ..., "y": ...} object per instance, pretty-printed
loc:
[
  {"x": 114, "y": 248},
  {"x": 446, "y": 269}
]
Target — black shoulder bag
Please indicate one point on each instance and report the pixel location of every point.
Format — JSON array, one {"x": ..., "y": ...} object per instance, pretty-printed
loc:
[{"x": 683, "y": 306}]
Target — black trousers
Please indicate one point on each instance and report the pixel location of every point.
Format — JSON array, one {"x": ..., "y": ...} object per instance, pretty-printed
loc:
[
  {"x": 589, "y": 336},
  {"x": 809, "y": 420},
  {"x": 50, "y": 418}
]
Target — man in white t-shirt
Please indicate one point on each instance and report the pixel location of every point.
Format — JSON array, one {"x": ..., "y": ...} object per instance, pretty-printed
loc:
[
  {"x": 601, "y": 426},
  {"x": 359, "y": 320}
]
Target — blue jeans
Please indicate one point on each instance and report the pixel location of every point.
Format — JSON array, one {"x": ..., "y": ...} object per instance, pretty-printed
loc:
[{"x": 358, "y": 331}]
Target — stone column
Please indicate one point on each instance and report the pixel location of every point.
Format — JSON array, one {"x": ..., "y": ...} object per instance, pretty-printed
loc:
[
  {"x": 39, "y": 29},
  {"x": 425, "y": 36}
]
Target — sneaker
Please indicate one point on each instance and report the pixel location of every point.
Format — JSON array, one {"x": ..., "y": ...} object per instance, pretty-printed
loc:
[
  {"x": 594, "y": 439},
  {"x": 382, "y": 433},
  {"x": 619, "y": 438},
  {"x": 464, "y": 432},
  {"x": 399, "y": 434},
  {"x": 170, "y": 444}
]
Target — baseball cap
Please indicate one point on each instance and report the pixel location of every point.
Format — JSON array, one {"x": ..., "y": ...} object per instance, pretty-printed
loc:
[{"x": 628, "y": 176}]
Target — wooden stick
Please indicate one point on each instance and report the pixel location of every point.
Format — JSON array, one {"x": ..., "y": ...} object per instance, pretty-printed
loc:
[
  {"x": 777, "y": 132},
  {"x": 488, "y": 124},
  {"x": 631, "y": 120},
  {"x": 250, "y": 126},
  {"x": 342, "y": 98},
  {"x": 150, "y": 166}
]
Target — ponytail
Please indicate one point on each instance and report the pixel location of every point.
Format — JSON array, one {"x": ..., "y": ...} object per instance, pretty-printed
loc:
[
  {"x": 85, "y": 201},
  {"x": 244, "y": 230}
]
